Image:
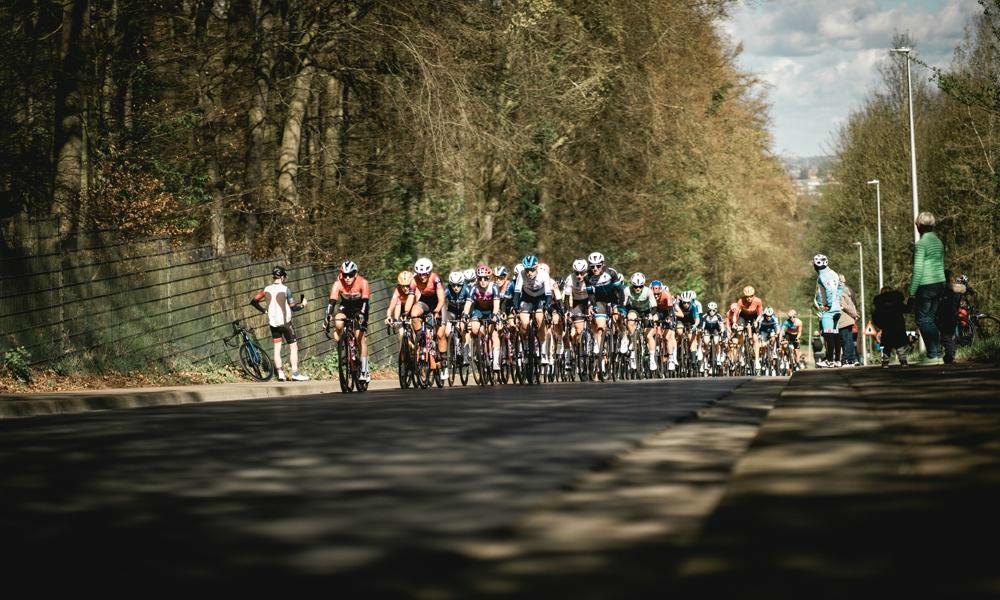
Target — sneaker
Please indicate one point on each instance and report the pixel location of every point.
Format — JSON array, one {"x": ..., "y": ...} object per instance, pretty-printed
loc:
[
  {"x": 885, "y": 363},
  {"x": 281, "y": 376},
  {"x": 366, "y": 376},
  {"x": 624, "y": 346},
  {"x": 932, "y": 361},
  {"x": 652, "y": 364},
  {"x": 671, "y": 365},
  {"x": 822, "y": 364},
  {"x": 444, "y": 373},
  {"x": 836, "y": 363},
  {"x": 296, "y": 376}
]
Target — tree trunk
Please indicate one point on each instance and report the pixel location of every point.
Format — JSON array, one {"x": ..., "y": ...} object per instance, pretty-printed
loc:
[
  {"x": 291, "y": 138},
  {"x": 69, "y": 116},
  {"x": 334, "y": 97},
  {"x": 259, "y": 170}
]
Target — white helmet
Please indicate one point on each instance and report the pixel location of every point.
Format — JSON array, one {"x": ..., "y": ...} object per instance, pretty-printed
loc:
[
  {"x": 712, "y": 306},
  {"x": 793, "y": 313},
  {"x": 423, "y": 266},
  {"x": 638, "y": 279},
  {"x": 820, "y": 260},
  {"x": 543, "y": 267},
  {"x": 768, "y": 311},
  {"x": 687, "y": 296},
  {"x": 596, "y": 258},
  {"x": 579, "y": 266},
  {"x": 456, "y": 278},
  {"x": 469, "y": 274},
  {"x": 349, "y": 266}
]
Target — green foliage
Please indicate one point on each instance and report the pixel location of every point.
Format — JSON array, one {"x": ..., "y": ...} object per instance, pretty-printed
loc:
[
  {"x": 982, "y": 350},
  {"x": 17, "y": 364}
]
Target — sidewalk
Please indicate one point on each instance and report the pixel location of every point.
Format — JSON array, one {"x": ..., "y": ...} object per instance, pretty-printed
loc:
[{"x": 29, "y": 405}]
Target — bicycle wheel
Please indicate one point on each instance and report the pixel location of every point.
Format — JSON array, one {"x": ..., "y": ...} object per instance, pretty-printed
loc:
[
  {"x": 344, "y": 363},
  {"x": 987, "y": 326},
  {"x": 403, "y": 366},
  {"x": 255, "y": 362}
]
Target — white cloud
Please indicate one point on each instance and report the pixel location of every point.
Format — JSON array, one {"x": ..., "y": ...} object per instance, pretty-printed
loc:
[{"x": 821, "y": 57}]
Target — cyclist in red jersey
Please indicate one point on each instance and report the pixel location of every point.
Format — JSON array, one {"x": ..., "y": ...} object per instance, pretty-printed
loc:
[
  {"x": 751, "y": 311},
  {"x": 352, "y": 291},
  {"x": 399, "y": 294},
  {"x": 427, "y": 298}
]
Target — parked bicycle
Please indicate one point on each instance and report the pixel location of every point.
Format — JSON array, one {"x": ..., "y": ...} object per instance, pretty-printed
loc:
[
  {"x": 253, "y": 359},
  {"x": 974, "y": 325}
]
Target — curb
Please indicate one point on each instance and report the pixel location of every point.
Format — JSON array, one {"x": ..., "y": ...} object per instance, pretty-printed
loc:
[{"x": 57, "y": 403}]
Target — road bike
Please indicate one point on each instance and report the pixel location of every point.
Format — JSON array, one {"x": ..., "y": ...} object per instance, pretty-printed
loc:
[
  {"x": 974, "y": 325},
  {"x": 349, "y": 355},
  {"x": 253, "y": 359},
  {"x": 455, "y": 359}
]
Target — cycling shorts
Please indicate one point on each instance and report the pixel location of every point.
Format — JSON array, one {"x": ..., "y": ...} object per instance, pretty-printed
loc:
[
  {"x": 600, "y": 310},
  {"x": 529, "y": 304},
  {"x": 481, "y": 315},
  {"x": 750, "y": 322},
  {"x": 792, "y": 340},
  {"x": 283, "y": 332}
]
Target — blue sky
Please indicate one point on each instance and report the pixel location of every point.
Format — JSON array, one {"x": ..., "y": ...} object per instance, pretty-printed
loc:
[{"x": 819, "y": 57}]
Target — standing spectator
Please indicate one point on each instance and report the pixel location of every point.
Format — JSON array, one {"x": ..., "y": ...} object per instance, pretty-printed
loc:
[
  {"x": 827, "y": 300},
  {"x": 947, "y": 316},
  {"x": 928, "y": 285},
  {"x": 888, "y": 317},
  {"x": 846, "y": 325},
  {"x": 280, "y": 304},
  {"x": 817, "y": 347}
]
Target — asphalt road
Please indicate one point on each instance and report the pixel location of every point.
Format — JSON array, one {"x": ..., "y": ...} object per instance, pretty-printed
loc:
[{"x": 388, "y": 493}]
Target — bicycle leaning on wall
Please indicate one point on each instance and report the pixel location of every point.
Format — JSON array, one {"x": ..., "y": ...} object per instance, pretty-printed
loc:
[{"x": 253, "y": 359}]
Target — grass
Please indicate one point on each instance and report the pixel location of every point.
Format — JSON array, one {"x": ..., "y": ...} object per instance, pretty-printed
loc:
[{"x": 982, "y": 350}]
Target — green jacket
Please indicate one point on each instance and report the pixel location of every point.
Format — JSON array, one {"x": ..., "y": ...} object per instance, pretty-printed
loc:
[{"x": 928, "y": 262}]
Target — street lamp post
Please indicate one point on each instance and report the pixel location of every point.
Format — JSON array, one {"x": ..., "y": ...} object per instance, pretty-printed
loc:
[
  {"x": 905, "y": 51},
  {"x": 878, "y": 204},
  {"x": 864, "y": 321}
]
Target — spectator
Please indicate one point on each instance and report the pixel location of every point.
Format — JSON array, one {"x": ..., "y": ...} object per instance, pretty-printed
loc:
[
  {"x": 928, "y": 285},
  {"x": 947, "y": 315},
  {"x": 846, "y": 325},
  {"x": 888, "y": 317},
  {"x": 817, "y": 347},
  {"x": 827, "y": 301}
]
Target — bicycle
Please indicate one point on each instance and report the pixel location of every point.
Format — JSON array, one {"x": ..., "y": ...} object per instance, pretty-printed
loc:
[
  {"x": 455, "y": 358},
  {"x": 406, "y": 368},
  {"x": 482, "y": 355},
  {"x": 349, "y": 356},
  {"x": 973, "y": 325},
  {"x": 253, "y": 359}
]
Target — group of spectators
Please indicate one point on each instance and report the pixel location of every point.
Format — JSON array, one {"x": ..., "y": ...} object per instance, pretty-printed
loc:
[{"x": 934, "y": 298}]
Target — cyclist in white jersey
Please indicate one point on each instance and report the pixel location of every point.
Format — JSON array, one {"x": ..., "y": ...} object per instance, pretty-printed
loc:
[
  {"x": 577, "y": 298},
  {"x": 532, "y": 294},
  {"x": 280, "y": 305}
]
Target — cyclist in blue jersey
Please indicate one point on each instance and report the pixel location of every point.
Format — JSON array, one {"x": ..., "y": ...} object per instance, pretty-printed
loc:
[
  {"x": 455, "y": 296},
  {"x": 687, "y": 319},
  {"x": 608, "y": 287},
  {"x": 829, "y": 289},
  {"x": 713, "y": 324}
]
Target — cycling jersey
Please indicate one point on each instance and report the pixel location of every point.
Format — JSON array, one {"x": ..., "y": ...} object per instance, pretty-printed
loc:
[
  {"x": 482, "y": 298},
  {"x": 768, "y": 325},
  {"x": 642, "y": 303},
  {"x": 353, "y": 297},
  {"x": 280, "y": 304},
  {"x": 750, "y": 310},
  {"x": 427, "y": 292},
  {"x": 608, "y": 286},
  {"x": 398, "y": 298},
  {"x": 828, "y": 289},
  {"x": 791, "y": 327},
  {"x": 713, "y": 323},
  {"x": 688, "y": 316},
  {"x": 536, "y": 290},
  {"x": 575, "y": 291},
  {"x": 455, "y": 301}
]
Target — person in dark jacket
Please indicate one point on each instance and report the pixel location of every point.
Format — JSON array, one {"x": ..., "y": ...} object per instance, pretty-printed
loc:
[
  {"x": 818, "y": 349},
  {"x": 947, "y": 315},
  {"x": 888, "y": 316}
]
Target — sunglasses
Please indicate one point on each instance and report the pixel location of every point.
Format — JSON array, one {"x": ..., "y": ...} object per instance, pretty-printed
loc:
[
  {"x": 350, "y": 275},
  {"x": 484, "y": 278},
  {"x": 596, "y": 267},
  {"x": 637, "y": 287},
  {"x": 581, "y": 274}
]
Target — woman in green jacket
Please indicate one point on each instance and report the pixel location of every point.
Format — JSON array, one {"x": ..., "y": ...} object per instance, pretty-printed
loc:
[{"x": 928, "y": 284}]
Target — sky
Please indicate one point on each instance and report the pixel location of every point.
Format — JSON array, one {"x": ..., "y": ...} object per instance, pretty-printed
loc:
[{"x": 820, "y": 57}]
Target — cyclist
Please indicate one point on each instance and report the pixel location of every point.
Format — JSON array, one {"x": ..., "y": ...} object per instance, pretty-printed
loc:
[
  {"x": 398, "y": 299},
  {"x": 769, "y": 326},
  {"x": 791, "y": 329},
  {"x": 639, "y": 304},
  {"x": 482, "y": 304},
  {"x": 353, "y": 293},
  {"x": 505, "y": 286},
  {"x": 751, "y": 311},
  {"x": 532, "y": 295},
  {"x": 687, "y": 319},
  {"x": 426, "y": 299},
  {"x": 665, "y": 319},
  {"x": 714, "y": 325},
  {"x": 553, "y": 346},
  {"x": 455, "y": 296},
  {"x": 469, "y": 277},
  {"x": 577, "y": 299},
  {"x": 280, "y": 306},
  {"x": 608, "y": 287},
  {"x": 829, "y": 290}
]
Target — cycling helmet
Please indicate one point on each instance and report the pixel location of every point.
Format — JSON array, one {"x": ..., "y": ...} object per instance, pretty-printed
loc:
[
  {"x": 501, "y": 271},
  {"x": 712, "y": 307},
  {"x": 279, "y": 272},
  {"x": 748, "y": 291},
  {"x": 687, "y": 296},
  {"x": 768, "y": 312},
  {"x": 423, "y": 266},
  {"x": 544, "y": 267},
  {"x": 579, "y": 266},
  {"x": 404, "y": 278},
  {"x": 793, "y": 313},
  {"x": 820, "y": 260},
  {"x": 638, "y": 279},
  {"x": 656, "y": 285},
  {"x": 529, "y": 262},
  {"x": 348, "y": 267},
  {"x": 734, "y": 306},
  {"x": 483, "y": 271},
  {"x": 963, "y": 279},
  {"x": 456, "y": 278},
  {"x": 518, "y": 268},
  {"x": 595, "y": 258},
  {"x": 469, "y": 274},
  {"x": 666, "y": 289},
  {"x": 694, "y": 295}
]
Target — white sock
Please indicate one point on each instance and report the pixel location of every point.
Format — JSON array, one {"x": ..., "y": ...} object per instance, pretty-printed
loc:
[{"x": 364, "y": 364}]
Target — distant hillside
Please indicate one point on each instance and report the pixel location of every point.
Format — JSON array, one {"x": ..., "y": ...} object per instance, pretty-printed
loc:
[{"x": 807, "y": 167}]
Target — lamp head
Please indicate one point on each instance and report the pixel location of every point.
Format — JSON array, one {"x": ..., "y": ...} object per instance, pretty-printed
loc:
[
  {"x": 875, "y": 181},
  {"x": 903, "y": 50}
]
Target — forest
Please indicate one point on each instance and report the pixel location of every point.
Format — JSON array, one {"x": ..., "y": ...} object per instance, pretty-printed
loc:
[{"x": 462, "y": 130}]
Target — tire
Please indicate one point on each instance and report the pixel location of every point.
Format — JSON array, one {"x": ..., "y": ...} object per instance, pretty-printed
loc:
[
  {"x": 986, "y": 327},
  {"x": 260, "y": 367},
  {"x": 343, "y": 368},
  {"x": 403, "y": 368}
]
